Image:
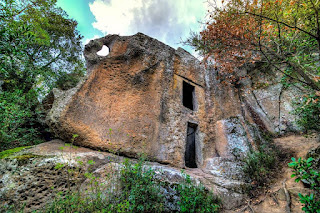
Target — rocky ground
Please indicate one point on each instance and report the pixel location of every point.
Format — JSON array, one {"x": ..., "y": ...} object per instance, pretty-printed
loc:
[
  {"x": 31, "y": 176},
  {"x": 282, "y": 195}
]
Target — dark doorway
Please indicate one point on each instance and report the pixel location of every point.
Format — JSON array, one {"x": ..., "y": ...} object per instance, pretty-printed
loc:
[
  {"x": 190, "y": 154},
  {"x": 187, "y": 96}
]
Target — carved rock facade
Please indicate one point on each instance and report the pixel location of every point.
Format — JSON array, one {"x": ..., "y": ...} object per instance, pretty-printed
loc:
[
  {"x": 146, "y": 97},
  {"x": 133, "y": 101}
]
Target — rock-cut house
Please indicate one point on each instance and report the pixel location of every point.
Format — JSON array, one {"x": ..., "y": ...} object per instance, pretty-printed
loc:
[
  {"x": 147, "y": 97},
  {"x": 143, "y": 97}
]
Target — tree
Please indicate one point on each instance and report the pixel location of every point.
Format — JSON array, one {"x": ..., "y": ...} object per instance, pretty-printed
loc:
[
  {"x": 39, "y": 45},
  {"x": 283, "y": 33}
]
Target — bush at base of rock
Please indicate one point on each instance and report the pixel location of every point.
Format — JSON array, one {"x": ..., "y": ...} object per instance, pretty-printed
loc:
[
  {"x": 138, "y": 190},
  {"x": 259, "y": 165}
]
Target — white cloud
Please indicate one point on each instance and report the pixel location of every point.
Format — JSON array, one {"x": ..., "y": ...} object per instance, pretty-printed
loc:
[{"x": 166, "y": 20}]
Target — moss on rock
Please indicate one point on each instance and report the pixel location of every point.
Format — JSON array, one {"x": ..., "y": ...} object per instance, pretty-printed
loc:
[
  {"x": 24, "y": 158},
  {"x": 9, "y": 152}
]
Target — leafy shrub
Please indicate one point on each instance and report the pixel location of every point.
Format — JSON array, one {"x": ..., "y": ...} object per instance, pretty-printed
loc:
[
  {"x": 19, "y": 125},
  {"x": 303, "y": 171},
  {"x": 140, "y": 188},
  {"x": 308, "y": 110},
  {"x": 258, "y": 165},
  {"x": 195, "y": 198},
  {"x": 139, "y": 191}
]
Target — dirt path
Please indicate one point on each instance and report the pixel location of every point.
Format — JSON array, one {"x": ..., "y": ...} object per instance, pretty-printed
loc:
[{"x": 282, "y": 197}]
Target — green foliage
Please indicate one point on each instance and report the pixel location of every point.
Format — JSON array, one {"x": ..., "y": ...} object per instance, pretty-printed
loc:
[
  {"x": 26, "y": 156},
  {"x": 19, "y": 116},
  {"x": 139, "y": 191},
  {"x": 258, "y": 165},
  {"x": 308, "y": 110},
  {"x": 303, "y": 171},
  {"x": 195, "y": 198},
  {"x": 76, "y": 202},
  {"x": 286, "y": 81},
  {"x": 39, "y": 49},
  {"x": 38, "y": 43},
  {"x": 311, "y": 203},
  {"x": 9, "y": 152},
  {"x": 59, "y": 166}
]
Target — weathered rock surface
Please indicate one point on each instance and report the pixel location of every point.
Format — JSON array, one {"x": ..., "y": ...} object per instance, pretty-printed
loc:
[
  {"x": 269, "y": 102},
  {"x": 133, "y": 101},
  {"x": 274, "y": 199},
  {"x": 30, "y": 176}
]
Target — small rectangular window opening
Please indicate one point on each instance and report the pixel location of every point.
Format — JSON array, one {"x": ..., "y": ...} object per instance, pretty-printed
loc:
[
  {"x": 190, "y": 153},
  {"x": 187, "y": 96}
]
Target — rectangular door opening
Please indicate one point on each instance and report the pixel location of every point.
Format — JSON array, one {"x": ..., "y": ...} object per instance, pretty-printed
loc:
[
  {"x": 190, "y": 154},
  {"x": 187, "y": 96}
]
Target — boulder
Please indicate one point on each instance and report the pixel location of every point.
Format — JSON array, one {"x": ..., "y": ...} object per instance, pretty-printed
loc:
[
  {"x": 131, "y": 101},
  {"x": 34, "y": 175},
  {"x": 147, "y": 97}
]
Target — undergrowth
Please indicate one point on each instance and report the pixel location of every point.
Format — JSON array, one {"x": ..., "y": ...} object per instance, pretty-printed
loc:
[
  {"x": 260, "y": 165},
  {"x": 303, "y": 171},
  {"x": 195, "y": 198},
  {"x": 131, "y": 187},
  {"x": 307, "y": 108},
  {"x": 139, "y": 191}
]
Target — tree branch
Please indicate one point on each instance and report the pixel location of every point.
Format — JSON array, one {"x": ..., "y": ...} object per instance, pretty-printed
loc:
[
  {"x": 279, "y": 35},
  {"x": 280, "y": 70},
  {"x": 50, "y": 62},
  {"x": 307, "y": 80},
  {"x": 285, "y": 24},
  {"x": 22, "y": 10}
]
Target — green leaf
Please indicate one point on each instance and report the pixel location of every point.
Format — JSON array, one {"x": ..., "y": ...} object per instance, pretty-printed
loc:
[{"x": 309, "y": 160}]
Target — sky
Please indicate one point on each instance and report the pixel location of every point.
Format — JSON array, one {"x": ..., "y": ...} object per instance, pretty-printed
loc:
[{"x": 169, "y": 21}]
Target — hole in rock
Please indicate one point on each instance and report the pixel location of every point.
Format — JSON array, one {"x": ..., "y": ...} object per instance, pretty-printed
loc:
[
  {"x": 104, "y": 51},
  {"x": 190, "y": 154},
  {"x": 188, "y": 95}
]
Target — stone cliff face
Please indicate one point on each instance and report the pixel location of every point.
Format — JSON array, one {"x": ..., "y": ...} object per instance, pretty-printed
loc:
[
  {"x": 146, "y": 97},
  {"x": 131, "y": 101}
]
